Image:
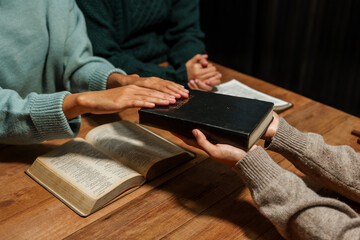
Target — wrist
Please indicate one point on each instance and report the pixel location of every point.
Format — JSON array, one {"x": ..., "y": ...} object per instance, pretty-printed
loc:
[
  {"x": 72, "y": 105},
  {"x": 116, "y": 80}
]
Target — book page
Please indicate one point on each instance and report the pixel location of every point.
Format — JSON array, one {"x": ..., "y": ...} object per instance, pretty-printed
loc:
[
  {"x": 236, "y": 88},
  {"x": 87, "y": 168},
  {"x": 132, "y": 145}
]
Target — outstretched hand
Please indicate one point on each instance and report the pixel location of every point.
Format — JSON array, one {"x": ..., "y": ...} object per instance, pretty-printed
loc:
[
  {"x": 114, "y": 100},
  {"x": 223, "y": 153},
  {"x": 155, "y": 83}
]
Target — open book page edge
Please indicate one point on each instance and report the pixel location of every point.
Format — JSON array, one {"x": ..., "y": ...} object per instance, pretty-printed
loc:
[
  {"x": 73, "y": 207},
  {"x": 285, "y": 105},
  {"x": 180, "y": 149},
  {"x": 88, "y": 137},
  {"x": 123, "y": 194},
  {"x": 67, "y": 203},
  {"x": 132, "y": 173},
  {"x": 41, "y": 162}
]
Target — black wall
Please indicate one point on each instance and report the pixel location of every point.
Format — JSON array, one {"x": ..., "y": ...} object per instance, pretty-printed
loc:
[{"x": 311, "y": 47}]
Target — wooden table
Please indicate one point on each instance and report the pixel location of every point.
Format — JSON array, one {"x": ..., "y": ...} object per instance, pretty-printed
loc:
[{"x": 198, "y": 200}]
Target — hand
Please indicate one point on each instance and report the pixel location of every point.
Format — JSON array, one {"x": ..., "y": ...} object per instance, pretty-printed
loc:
[
  {"x": 114, "y": 100},
  {"x": 273, "y": 127},
  {"x": 204, "y": 85},
  {"x": 202, "y": 75},
  {"x": 165, "y": 86},
  {"x": 223, "y": 153}
]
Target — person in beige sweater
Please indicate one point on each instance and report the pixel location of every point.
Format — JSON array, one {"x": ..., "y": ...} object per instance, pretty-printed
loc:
[{"x": 295, "y": 210}]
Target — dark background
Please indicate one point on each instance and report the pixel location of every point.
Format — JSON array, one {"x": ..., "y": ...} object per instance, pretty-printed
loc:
[{"x": 311, "y": 47}]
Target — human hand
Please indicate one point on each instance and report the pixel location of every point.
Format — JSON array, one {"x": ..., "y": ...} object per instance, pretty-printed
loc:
[
  {"x": 223, "y": 153},
  {"x": 165, "y": 86},
  {"x": 202, "y": 75},
  {"x": 114, "y": 100},
  {"x": 273, "y": 127}
]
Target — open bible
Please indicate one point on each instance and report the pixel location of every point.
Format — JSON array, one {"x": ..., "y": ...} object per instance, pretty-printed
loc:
[
  {"x": 113, "y": 160},
  {"x": 238, "y": 89}
]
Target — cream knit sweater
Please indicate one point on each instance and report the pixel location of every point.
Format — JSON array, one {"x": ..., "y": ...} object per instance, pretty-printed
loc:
[{"x": 281, "y": 196}]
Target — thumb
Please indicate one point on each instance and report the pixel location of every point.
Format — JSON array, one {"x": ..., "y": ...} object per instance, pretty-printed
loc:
[
  {"x": 196, "y": 58},
  {"x": 203, "y": 60},
  {"x": 203, "y": 142}
]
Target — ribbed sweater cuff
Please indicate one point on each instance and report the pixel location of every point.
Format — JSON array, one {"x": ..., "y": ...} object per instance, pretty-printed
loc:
[
  {"x": 98, "y": 79},
  {"x": 288, "y": 139},
  {"x": 257, "y": 169},
  {"x": 49, "y": 119}
]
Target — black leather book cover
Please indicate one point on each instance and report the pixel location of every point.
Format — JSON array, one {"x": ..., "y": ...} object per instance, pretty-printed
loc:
[{"x": 222, "y": 118}]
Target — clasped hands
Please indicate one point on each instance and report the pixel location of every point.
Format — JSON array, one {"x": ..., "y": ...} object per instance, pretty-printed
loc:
[
  {"x": 223, "y": 153},
  {"x": 202, "y": 75}
]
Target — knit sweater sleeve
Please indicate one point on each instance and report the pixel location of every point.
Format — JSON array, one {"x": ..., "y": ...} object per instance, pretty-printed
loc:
[
  {"x": 335, "y": 167},
  {"x": 36, "y": 118},
  {"x": 184, "y": 34},
  {"x": 103, "y": 32},
  {"x": 295, "y": 210},
  {"x": 83, "y": 71}
]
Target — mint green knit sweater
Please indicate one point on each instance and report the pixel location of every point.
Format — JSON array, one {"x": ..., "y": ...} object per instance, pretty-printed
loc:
[{"x": 45, "y": 55}]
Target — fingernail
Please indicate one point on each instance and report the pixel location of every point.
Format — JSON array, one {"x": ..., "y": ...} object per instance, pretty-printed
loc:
[{"x": 195, "y": 133}]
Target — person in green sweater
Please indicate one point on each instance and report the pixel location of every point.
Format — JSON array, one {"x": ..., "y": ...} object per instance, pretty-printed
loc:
[
  {"x": 49, "y": 76},
  {"x": 140, "y": 35},
  {"x": 295, "y": 210}
]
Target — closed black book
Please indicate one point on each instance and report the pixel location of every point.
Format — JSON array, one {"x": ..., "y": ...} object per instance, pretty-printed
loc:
[{"x": 222, "y": 118}]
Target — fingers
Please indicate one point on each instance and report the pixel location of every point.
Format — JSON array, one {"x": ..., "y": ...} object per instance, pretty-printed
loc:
[
  {"x": 151, "y": 95},
  {"x": 164, "y": 86},
  {"x": 215, "y": 80},
  {"x": 192, "y": 85},
  {"x": 207, "y": 73},
  {"x": 187, "y": 140},
  {"x": 203, "y": 61},
  {"x": 199, "y": 85},
  {"x": 204, "y": 73},
  {"x": 178, "y": 89},
  {"x": 223, "y": 153},
  {"x": 197, "y": 58},
  {"x": 140, "y": 104},
  {"x": 204, "y": 144},
  {"x": 273, "y": 127}
]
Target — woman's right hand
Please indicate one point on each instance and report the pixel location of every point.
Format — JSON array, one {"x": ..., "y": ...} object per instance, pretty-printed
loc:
[{"x": 114, "y": 100}]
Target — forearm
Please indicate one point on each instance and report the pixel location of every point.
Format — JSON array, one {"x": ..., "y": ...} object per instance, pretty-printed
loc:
[
  {"x": 36, "y": 118},
  {"x": 295, "y": 210},
  {"x": 336, "y": 167},
  {"x": 131, "y": 65}
]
